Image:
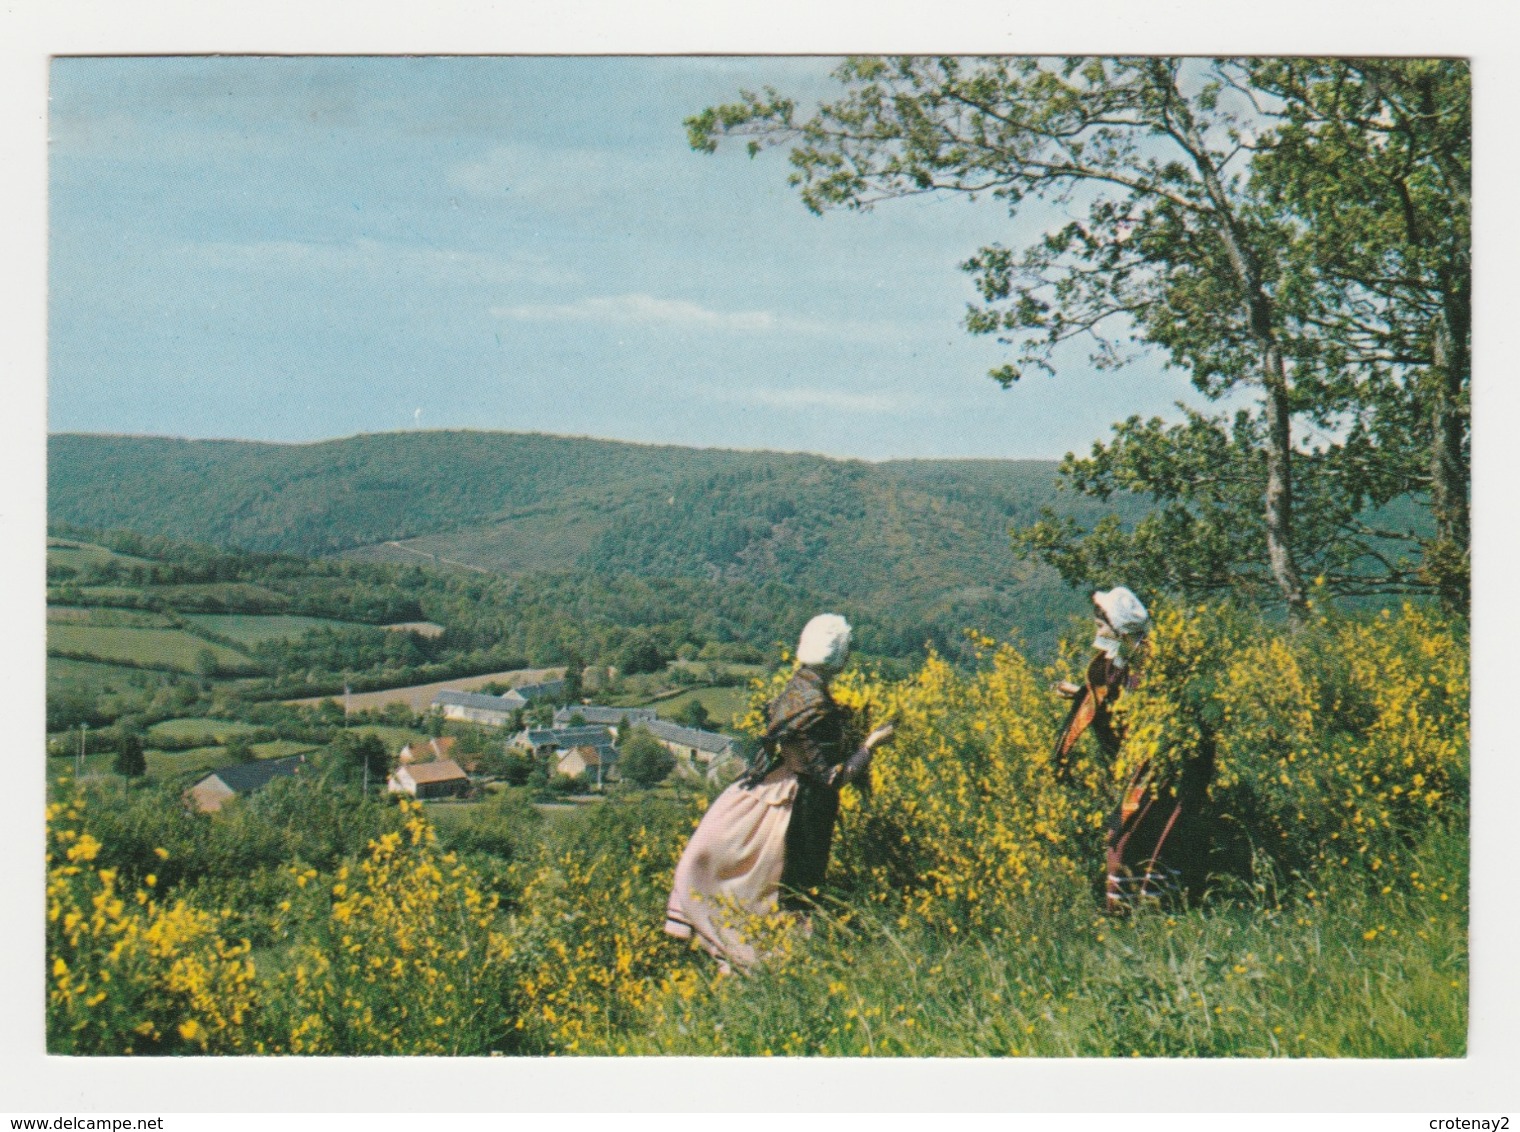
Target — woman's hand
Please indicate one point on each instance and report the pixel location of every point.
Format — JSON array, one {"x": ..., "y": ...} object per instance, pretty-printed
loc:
[{"x": 879, "y": 736}]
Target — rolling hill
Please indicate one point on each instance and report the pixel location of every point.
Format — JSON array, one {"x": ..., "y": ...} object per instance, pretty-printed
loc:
[{"x": 921, "y": 543}]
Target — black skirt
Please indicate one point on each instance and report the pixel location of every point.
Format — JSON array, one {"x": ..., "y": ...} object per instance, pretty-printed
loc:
[{"x": 808, "y": 837}]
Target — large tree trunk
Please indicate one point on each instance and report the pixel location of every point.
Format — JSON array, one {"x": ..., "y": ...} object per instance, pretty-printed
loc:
[
  {"x": 1274, "y": 378},
  {"x": 1448, "y": 560},
  {"x": 1279, "y": 497}
]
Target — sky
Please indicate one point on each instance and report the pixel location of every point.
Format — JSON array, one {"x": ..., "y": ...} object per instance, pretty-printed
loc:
[{"x": 292, "y": 249}]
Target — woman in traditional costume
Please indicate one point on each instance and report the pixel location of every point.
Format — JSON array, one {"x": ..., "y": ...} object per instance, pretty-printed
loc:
[
  {"x": 1149, "y": 838},
  {"x": 763, "y": 845}
]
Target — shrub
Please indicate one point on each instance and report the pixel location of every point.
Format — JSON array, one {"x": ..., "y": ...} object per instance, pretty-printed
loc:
[
  {"x": 642, "y": 759},
  {"x": 128, "y": 973},
  {"x": 396, "y": 955}
]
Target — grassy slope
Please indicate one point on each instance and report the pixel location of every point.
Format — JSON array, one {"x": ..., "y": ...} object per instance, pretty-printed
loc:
[
  {"x": 157, "y": 648},
  {"x": 253, "y": 629}
]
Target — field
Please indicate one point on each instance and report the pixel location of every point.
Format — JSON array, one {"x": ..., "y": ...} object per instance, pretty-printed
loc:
[
  {"x": 201, "y": 729},
  {"x": 153, "y": 648},
  {"x": 249, "y": 629},
  {"x": 107, "y": 617},
  {"x": 419, "y": 697},
  {"x": 84, "y": 555},
  {"x": 394, "y": 738},
  {"x": 421, "y": 628},
  {"x": 722, "y": 704},
  {"x": 96, "y": 679}
]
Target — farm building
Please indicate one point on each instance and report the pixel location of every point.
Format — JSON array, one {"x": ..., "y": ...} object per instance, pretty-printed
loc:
[
  {"x": 433, "y": 749},
  {"x": 596, "y": 763},
  {"x": 211, "y": 793},
  {"x": 476, "y": 707},
  {"x": 691, "y": 744},
  {"x": 493, "y": 711},
  {"x": 542, "y": 740},
  {"x": 612, "y": 717},
  {"x": 441, "y": 779},
  {"x": 547, "y": 689}
]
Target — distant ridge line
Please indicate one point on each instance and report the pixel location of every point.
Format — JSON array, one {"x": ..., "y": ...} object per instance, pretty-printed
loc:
[{"x": 657, "y": 445}]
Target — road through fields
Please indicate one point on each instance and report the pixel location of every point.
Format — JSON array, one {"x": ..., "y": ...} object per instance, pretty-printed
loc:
[{"x": 419, "y": 697}]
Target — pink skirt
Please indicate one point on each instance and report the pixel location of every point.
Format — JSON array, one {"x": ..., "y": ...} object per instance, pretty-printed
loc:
[{"x": 731, "y": 870}]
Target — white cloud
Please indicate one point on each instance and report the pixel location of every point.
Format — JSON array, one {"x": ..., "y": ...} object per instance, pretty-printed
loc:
[
  {"x": 644, "y": 310},
  {"x": 650, "y": 310}
]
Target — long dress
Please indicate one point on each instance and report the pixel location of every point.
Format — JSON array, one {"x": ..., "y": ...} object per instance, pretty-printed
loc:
[
  {"x": 764, "y": 842},
  {"x": 1153, "y": 838}
]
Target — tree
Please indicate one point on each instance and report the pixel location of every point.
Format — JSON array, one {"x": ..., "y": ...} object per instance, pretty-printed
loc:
[
  {"x": 355, "y": 756},
  {"x": 130, "y": 760},
  {"x": 693, "y": 713},
  {"x": 575, "y": 668},
  {"x": 640, "y": 653},
  {"x": 516, "y": 768},
  {"x": 239, "y": 749},
  {"x": 1373, "y": 160},
  {"x": 642, "y": 759},
  {"x": 1173, "y": 246}
]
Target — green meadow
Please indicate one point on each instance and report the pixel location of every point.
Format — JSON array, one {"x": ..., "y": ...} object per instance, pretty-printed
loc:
[
  {"x": 147, "y": 647},
  {"x": 249, "y": 629}
]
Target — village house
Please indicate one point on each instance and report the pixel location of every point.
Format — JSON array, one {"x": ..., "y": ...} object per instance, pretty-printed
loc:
[
  {"x": 441, "y": 779},
  {"x": 590, "y": 747},
  {"x": 493, "y": 711},
  {"x": 477, "y": 707},
  {"x": 610, "y": 717},
  {"x": 597, "y": 764},
  {"x": 237, "y": 780},
  {"x": 432, "y": 749},
  {"x": 547, "y": 740},
  {"x": 691, "y": 744}
]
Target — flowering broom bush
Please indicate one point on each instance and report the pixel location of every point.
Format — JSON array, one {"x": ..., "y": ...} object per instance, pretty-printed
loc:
[
  {"x": 1335, "y": 748},
  {"x": 393, "y": 954},
  {"x": 592, "y": 951},
  {"x": 128, "y": 973}
]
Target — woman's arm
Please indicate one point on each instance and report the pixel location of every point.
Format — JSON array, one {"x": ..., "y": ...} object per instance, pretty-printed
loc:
[{"x": 855, "y": 767}]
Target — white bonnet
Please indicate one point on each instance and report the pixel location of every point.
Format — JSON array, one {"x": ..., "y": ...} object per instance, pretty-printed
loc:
[
  {"x": 825, "y": 642},
  {"x": 1127, "y": 617}
]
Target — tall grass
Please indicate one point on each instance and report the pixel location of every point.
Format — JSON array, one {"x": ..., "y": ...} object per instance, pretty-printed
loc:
[{"x": 1249, "y": 974}]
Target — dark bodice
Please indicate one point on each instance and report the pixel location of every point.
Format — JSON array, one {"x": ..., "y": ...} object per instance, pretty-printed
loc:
[{"x": 804, "y": 733}]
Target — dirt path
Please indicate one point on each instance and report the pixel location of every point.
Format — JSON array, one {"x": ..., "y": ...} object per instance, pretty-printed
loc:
[{"x": 419, "y": 697}]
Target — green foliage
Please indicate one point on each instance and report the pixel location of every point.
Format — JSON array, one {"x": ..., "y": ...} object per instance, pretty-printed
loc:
[
  {"x": 354, "y": 755},
  {"x": 911, "y": 551},
  {"x": 1266, "y": 260},
  {"x": 693, "y": 713},
  {"x": 1365, "y": 975},
  {"x": 642, "y": 759},
  {"x": 1372, "y": 161},
  {"x": 958, "y": 919},
  {"x": 640, "y": 653},
  {"x": 516, "y": 768},
  {"x": 504, "y": 826},
  {"x": 239, "y": 749},
  {"x": 130, "y": 760}
]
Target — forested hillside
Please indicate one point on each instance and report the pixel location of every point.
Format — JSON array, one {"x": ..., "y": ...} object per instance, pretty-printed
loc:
[{"x": 918, "y": 548}]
